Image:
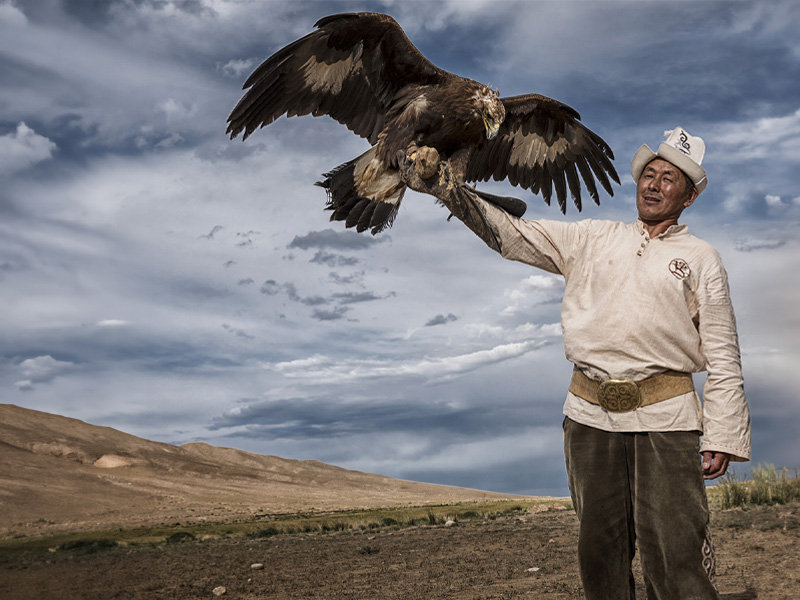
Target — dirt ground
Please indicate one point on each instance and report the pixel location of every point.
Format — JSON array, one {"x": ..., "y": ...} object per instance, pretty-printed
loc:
[{"x": 532, "y": 556}]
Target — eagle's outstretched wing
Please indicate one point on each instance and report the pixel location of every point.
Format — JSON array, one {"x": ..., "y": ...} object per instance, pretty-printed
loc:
[
  {"x": 350, "y": 68},
  {"x": 542, "y": 145}
]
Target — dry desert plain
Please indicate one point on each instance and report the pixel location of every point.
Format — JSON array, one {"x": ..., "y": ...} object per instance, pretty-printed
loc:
[{"x": 93, "y": 513}]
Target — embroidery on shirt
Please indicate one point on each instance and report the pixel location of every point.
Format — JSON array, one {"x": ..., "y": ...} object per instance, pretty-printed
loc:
[{"x": 679, "y": 268}]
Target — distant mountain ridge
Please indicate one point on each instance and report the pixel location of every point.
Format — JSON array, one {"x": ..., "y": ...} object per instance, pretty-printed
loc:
[{"x": 62, "y": 474}]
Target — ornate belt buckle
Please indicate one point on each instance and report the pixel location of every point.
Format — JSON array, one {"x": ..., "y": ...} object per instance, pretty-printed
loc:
[{"x": 619, "y": 395}]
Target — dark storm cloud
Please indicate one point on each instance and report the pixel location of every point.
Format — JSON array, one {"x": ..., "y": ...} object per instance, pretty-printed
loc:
[
  {"x": 333, "y": 314},
  {"x": 210, "y": 235},
  {"x": 332, "y": 259},
  {"x": 751, "y": 245},
  {"x": 353, "y": 278},
  {"x": 336, "y": 305},
  {"x": 270, "y": 287},
  {"x": 330, "y": 244},
  {"x": 238, "y": 332},
  {"x": 332, "y": 418},
  {"x": 441, "y": 320},
  {"x": 335, "y": 240},
  {"x": 355, "y": 297}
]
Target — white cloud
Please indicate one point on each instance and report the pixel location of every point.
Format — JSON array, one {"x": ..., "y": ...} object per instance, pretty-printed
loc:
[
  {"x": 773, "y": 201},
  {"x": 321, "y": 369},
  {"x": 525, "y": 331},
  {"x": 111, "y": 323},
  {"x": 11, "y": 16},
  {"x": 22, "y": 149},
  {"x": 42, "y": 369},
  {"x": 764, "y": 138},
  {"x": 238, "y": 67},
  {"x": 534, "y": 289},
  {"x": 175, "y": 110}
]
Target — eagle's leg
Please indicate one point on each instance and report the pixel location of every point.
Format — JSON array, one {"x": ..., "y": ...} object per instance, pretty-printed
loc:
[{"x": 449, "y": 188}]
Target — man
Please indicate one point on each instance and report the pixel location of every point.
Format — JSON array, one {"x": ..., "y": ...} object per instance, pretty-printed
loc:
[{"x": 645, "y": 305}]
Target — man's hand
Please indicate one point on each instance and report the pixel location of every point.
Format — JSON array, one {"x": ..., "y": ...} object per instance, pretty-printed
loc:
[{"x": 715, "y": 464}]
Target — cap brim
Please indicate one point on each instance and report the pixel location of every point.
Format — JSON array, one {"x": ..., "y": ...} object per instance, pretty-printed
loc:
[{"x": 643, "y": 156}]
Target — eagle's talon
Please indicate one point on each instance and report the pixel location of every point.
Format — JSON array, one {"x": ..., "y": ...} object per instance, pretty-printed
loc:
[{"x": 427, "y": 161}]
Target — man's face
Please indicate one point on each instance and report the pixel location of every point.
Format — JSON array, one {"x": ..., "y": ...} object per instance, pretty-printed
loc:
[{"x": 661, "y": 192}]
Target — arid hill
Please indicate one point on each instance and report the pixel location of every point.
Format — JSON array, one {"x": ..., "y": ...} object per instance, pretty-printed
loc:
[{"x": 61, "y": 474}]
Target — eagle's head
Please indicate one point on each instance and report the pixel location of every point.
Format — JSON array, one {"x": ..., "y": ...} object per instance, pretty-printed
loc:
[{"x": 491, "y": 110}]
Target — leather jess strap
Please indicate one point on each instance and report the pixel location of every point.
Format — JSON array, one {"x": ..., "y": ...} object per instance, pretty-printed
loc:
[{"x": 624, "y": 395}]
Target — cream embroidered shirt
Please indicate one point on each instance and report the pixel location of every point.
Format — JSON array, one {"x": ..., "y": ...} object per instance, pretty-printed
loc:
[{"x": 634, "y": 307}]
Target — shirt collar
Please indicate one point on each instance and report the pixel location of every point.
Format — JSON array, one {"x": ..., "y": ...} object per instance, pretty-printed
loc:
[{"x": 671, "y": 230}]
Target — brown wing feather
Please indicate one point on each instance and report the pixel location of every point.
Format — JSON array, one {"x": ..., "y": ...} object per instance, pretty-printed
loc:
[
  {"x": 350, "y": 68},
  {"x": 543, "y": 146}
]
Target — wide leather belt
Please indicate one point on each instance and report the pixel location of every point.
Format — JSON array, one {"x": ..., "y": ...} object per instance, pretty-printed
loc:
[{"x": 623, "y": 395}]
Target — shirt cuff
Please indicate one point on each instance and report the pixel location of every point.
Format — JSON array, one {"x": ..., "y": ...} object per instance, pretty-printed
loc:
[{"x": 737, "y": 454}]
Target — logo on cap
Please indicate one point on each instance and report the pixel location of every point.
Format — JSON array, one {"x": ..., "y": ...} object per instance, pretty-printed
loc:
[{"x": 683, "y": 144}]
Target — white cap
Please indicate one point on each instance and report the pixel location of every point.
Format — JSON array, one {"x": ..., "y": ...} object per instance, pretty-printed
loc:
[{"x": 682, "y": 150}]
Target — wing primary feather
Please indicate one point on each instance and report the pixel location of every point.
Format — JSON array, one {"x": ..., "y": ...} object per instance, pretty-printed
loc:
[
  {"x": 574, "y": 184},
  {"x": 600, "y": 174},
  {"x": 545, "y": 185},
  {"x": 352, "y": 219},
  {"x": 383, "y": 217},
  {"x": 365, "y": 220},
  {"x": 588, "y": 179},
  {"x": 557, "y": 176}
]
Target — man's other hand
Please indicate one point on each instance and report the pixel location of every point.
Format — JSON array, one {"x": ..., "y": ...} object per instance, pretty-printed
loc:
[{"x": 715, "y": 464}]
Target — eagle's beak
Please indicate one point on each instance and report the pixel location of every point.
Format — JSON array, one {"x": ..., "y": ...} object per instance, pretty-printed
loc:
[{"x": 491, "y": 128}]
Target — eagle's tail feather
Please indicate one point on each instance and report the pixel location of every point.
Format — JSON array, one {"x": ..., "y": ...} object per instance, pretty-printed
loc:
[{"x": 362, "y": 194}]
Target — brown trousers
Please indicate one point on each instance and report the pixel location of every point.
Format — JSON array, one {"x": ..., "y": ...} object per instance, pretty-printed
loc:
[{"x": 640, "y": 487}]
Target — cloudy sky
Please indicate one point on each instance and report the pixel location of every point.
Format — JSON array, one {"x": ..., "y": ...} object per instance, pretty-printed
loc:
[{"x": 160, "y": 279}]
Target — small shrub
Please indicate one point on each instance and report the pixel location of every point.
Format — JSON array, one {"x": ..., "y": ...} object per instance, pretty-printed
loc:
[
  {"x": 180, "y": 536},
  {"x": 369, "y": 550},
  {"x": 768, "y": 486},
  {"x": 87, "y": 546},
  {"x": 263, "y": 533},
  {"x": 734, "y": 492}
]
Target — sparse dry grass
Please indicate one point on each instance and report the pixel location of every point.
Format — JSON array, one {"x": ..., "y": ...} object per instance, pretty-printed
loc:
[
  {"x": 765, "y": 486},
  {"x": 266, "y": 526}
]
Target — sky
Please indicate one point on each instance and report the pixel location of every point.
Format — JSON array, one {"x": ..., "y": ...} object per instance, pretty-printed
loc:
[{"x": 161, "y": 279}]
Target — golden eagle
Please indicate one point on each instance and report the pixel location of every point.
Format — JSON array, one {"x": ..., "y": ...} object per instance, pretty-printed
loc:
[{"x": 362, "y": 70}]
